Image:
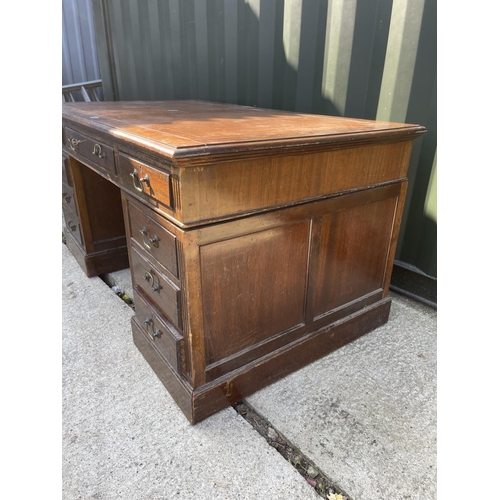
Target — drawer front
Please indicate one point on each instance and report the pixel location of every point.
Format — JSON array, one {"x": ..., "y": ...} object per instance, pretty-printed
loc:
[
  {"x": 68, "y": 197},
  {"x": 66, "y": 175},
  {"x": 72, "y": 225},
  {"x": 164, "y": 293},
  {"x": 97, "y": 152},
  {"x": 146, "y": 182},
  {"x": 163, "y": 335},
  {"x": 153, "y": 239}
]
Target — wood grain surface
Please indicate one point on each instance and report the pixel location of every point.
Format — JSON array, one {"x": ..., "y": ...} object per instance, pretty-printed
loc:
[{"x": 187, "y": 129}]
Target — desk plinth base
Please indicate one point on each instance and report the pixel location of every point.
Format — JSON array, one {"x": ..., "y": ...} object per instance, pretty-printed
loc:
[
  {"x": 201, "y": 402},
  {"x": 97, "y": 263}
]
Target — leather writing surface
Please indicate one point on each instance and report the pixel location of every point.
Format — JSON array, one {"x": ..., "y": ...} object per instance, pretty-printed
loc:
[{"x": 195, "y": 124}]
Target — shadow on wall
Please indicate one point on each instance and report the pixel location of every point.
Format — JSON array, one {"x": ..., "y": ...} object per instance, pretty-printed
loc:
[{"x": 222, "y": 51}]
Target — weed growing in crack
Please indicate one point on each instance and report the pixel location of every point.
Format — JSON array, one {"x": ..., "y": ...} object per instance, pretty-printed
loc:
[{"x": 322, "y": 485}]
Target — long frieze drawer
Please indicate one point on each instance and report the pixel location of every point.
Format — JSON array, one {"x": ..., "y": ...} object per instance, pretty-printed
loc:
[
  {"x": 167, "y": 340},
  {"x": 162, "y": 291},
  {"x": 68, "y": 197},
  {"x": 72, "y": 225},
  {"x": 153, "y": 238},
  {"x": 97, "y": 152},
  {"x": 147, "y": 182}
]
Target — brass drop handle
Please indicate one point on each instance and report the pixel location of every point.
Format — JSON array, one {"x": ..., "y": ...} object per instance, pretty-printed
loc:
[
  {"x": 150, "y": 278},
  {"x": 153, "y": 240},
  {"x": 144, "y": 232},
  {"x": 66, "y": 198},
  {"x": 138, "y": 182},
  {"x": 98, "y": 151},
  {"x": 150, "y": 330},
  {"x": 73, "y": 143},
  {"x": 71, "y": 225}
]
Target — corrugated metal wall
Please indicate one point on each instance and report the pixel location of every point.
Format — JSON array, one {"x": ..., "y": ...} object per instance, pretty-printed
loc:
[
  {"x": 79, "y": 50},
  {"x": 372, "y": 59}
]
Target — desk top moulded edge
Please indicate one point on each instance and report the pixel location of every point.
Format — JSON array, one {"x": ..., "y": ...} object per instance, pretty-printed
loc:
[{"x": 194, "y": 133}]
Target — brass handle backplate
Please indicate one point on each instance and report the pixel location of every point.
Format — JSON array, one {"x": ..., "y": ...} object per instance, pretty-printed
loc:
[
  {"x": 138, "y": 182},
  {"x": 148, "y": 241},
  {"x": 98, "y": 151},
  {"x": 149, "y": 276},
  {"x": 73, "y": 143},
  {"x": 150, "y": 330}
]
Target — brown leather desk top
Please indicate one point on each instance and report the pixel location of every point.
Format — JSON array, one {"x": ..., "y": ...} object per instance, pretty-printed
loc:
[{"x": 183, "y": 130}]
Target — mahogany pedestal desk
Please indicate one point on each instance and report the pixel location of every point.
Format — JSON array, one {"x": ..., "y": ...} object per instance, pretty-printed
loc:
[{"x": 258, "y": 240}]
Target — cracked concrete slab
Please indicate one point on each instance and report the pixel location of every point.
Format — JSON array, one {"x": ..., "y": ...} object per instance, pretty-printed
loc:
[
  {"x": 124, "y": 436},
  {"x": 366, "y": 414}
]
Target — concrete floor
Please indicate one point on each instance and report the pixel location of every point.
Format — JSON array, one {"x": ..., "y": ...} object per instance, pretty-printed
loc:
[{"x": 365, "y": 414}]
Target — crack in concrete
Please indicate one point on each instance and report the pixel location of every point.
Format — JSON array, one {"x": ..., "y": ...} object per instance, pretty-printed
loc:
[{"x": 314, "y": 476}]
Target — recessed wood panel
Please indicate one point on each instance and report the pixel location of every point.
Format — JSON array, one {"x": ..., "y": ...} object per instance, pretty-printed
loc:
[
  {"x": 253, "y": 288},
  {"x": 352, "y": 257}
]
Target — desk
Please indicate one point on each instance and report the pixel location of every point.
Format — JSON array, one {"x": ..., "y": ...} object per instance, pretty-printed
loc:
[{"x": 258, "y": 240}]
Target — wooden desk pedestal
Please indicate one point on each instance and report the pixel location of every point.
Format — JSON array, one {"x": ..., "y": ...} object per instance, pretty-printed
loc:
[{"x": 258, "y": 240}]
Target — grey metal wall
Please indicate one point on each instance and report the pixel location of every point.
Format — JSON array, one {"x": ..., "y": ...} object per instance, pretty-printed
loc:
[
  {"x": 372, "y": 59},
  {"x": 79, "y": 50}
]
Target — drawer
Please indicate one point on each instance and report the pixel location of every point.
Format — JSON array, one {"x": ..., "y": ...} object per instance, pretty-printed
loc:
[
  {"x": 147, "y": 182},
  {"x": 164, "y": 293},
  {"x": 97, "y": 152},
  {"x": 167, "y": 340},
  {"x": 68, "y": 197},
  {"x": 153, "y": 239},
  {"x": 72, "y": 225},
  {"x": 66, "y": 174}
]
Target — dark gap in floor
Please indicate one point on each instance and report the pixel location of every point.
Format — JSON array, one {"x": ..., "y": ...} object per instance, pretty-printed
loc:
[
  {"x": 108, "y": 279},
  {"x": 317, "y": 479}
]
